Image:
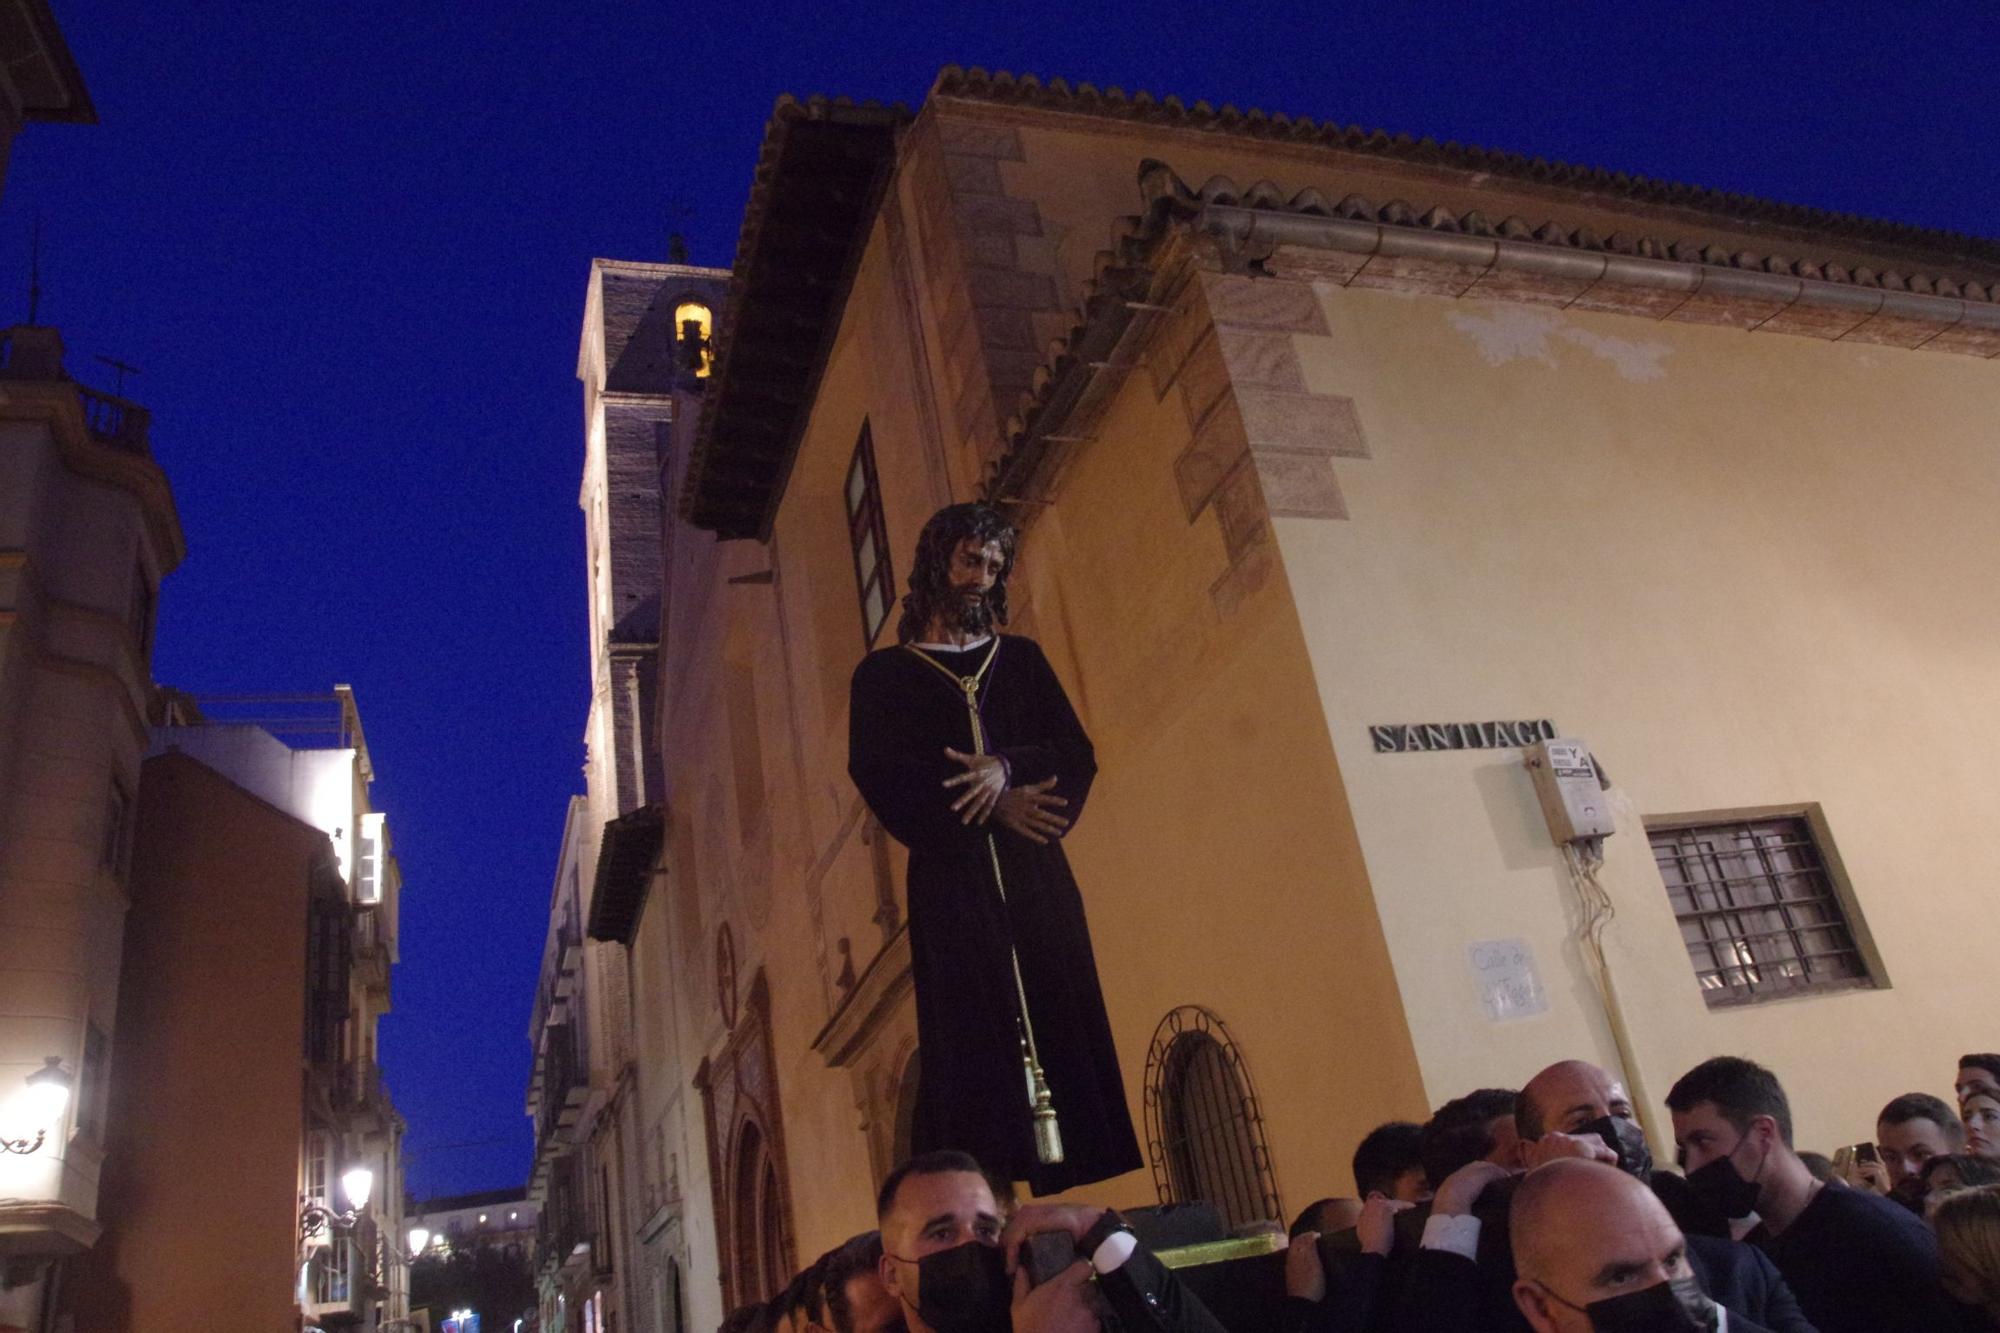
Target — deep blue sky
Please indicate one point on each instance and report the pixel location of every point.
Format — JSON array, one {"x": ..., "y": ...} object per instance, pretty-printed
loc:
[{"x": 347, "y": 246}]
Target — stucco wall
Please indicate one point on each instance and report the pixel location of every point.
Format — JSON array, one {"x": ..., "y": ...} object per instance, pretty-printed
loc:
[
  {"x": 1750, "y": 570},
  {"x": 200, "y": 1195}
]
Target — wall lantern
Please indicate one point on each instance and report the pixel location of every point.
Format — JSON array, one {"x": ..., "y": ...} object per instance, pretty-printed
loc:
[
  {"x": 358, "y": 1182},
  {"x": 42, "y": 1105}
]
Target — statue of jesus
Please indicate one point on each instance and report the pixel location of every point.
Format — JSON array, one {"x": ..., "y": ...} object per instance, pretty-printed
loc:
[{"x": 967, "y": 750}]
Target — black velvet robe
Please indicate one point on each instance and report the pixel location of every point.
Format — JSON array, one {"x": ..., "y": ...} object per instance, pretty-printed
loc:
[{"x": 972, "y": 1093}]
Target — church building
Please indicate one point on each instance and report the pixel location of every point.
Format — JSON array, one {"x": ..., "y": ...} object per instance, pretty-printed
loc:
[{"x": 1371, "y": 490}]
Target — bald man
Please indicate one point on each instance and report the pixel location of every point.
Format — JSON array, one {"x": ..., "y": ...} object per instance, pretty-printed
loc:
[
  {"x": 1593, "y": 1248},
  {"x": 1572, "y": 1111}
]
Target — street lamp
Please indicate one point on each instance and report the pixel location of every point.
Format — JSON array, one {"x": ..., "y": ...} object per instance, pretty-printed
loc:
[
  {"x": 42, "y": 1105},
  {"x": 358, "y": 1182},
  {"x": 420, "y": 1239}
]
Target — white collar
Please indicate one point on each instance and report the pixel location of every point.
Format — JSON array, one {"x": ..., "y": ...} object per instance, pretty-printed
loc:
[{"x": 980, "y": 642}]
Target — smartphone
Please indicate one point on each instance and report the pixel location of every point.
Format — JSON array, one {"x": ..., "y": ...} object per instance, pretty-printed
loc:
[
  {"x": 1867, "y": 1152},
  {"x": 1047, "y": 1253},
  {"x": 1843, "y": 1160}
]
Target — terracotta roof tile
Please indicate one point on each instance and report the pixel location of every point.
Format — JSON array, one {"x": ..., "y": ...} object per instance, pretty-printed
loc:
[
  {"x": 1084, "y": 99},
  {"x": 1167, "y": 195},
  {"x": 1122, "y": 274}
]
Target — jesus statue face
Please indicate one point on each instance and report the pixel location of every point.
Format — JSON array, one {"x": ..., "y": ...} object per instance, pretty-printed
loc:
[{"x": 975, "y": 567}]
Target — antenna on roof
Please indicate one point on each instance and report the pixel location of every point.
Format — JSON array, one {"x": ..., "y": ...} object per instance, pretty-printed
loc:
[
  {"x": 35, "y": 269},
  {"x": 122, "y": 368}
]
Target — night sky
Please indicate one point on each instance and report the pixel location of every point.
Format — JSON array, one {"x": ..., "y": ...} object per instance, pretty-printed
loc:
[{"x": 347, "y": 247}]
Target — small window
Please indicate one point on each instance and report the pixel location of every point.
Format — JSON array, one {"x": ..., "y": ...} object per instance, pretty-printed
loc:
[
  {"x": 117, "y": 829},
  {"x": 1203, "y": 1123},
  {"x": 93, "y": 1090},
  {"x": 694, "y": 329},
  {"x": 140, "y": 613},
  {"x": 1758, "y": 907},
  {"x": 868, "y": 534},
  {"x": 370, "y": 858},
  {"x": 319, "y": 1157}
]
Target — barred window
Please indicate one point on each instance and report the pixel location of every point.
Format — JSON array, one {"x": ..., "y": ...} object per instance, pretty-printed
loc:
[
  {"x": 868, "y": 533},
  {"x": 1205, "y": 1133},
  {"x": 1758, "y": 908}
]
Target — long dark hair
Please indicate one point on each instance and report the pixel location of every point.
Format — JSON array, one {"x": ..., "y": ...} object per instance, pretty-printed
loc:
[{"x": 930, "y": 573}]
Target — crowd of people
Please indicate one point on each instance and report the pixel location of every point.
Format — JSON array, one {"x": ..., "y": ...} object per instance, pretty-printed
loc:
[{"x": 1539, "y": 1208}]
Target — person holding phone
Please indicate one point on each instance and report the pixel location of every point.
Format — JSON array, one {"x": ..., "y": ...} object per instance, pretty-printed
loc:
[{"x": 1911, "y": 1130}]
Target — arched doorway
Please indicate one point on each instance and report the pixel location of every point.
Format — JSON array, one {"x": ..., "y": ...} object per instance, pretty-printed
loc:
[{"x": 746, "y": 1142}]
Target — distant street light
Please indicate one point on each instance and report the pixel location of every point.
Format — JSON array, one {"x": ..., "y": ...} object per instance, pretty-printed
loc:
[
  {"x": 420, "y": 1240},
  {"x": 41, "y": 1106}
]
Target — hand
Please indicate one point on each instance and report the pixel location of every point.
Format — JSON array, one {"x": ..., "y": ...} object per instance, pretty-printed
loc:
[
  {"x": 1377, "y": 1227},
  {"x": 1555, "y": 1147},
  {"x": 984, "y": 779},
  {"x": 1059, "y": 1305},
  {"x": 1031, "y": 812},
  {"x": 1031, "y": 1219},
  {"x": 1462, "y": 1188},
  {"x": 1871, "y": 1176},
  {"x": 1305, "y": 1274}
]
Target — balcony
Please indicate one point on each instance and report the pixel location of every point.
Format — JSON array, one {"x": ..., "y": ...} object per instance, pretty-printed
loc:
[
  {"x": 560, "y": 1232},
  {"x": 563, "y": 1083},
  {"x": 34, "y": 354}
]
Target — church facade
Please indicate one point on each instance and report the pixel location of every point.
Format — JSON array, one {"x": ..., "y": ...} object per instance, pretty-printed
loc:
[{"x": 1352, "y": 472}]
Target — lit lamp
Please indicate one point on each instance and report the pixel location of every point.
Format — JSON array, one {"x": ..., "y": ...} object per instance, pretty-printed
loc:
[
  {"x": 357, "y": 1182},
  {"x": 420, "y": 1240},
  {"x": 42, "y": 1105}
]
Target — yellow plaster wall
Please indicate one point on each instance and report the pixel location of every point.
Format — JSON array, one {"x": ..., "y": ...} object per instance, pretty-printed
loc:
[
  {"x": 1216, "y": 856},
  {"x": 1750, "y": 570}
]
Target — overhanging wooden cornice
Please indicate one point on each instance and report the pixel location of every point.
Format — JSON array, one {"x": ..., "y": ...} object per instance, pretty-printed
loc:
[{"x": 820, "y": 178}]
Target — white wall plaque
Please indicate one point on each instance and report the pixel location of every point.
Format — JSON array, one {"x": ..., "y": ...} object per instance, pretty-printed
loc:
[{"x": 1510, "y": 986}]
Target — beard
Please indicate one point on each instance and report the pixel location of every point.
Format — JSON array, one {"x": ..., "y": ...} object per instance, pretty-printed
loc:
[{"x": 970, "y": 612}]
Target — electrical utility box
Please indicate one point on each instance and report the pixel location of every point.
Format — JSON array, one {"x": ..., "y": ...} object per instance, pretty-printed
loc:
[{"x": 1571, "y": 793}]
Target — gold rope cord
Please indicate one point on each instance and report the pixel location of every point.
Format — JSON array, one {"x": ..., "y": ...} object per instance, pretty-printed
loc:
[{"x": 1048, "y": 1134}]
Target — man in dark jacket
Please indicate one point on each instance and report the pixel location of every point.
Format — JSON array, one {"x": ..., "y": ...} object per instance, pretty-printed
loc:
[
  {"x": 954, "y": 1262},
  {"x": 1464, "y": 1275},
  {"x": 1594, "y": 1249},
  {"x": 1859, "y": 1263}
]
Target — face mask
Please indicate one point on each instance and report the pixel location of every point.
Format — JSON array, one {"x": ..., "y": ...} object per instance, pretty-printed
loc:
[
  {"x": 1627, "y": 1140},
  {"x": 1721, "y": 1187},
  {"x": 965, "y": 1290},
  {"x": 1677, "y": 1305}
]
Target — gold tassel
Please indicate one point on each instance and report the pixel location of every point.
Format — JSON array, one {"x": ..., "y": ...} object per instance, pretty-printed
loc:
[{"x": 1048, "y": 1134}]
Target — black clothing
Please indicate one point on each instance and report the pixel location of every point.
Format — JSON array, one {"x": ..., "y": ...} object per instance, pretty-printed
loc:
[
  {"x": 1743, "y": 1281},
  {"x": 972, "y": 1092},
  {"x": 1861, "y": 1264},
  {"x": 1351, "y": 1300},
  {"x": 1146, "y": 1297},
  {"x": 1449, "y": 1293}
]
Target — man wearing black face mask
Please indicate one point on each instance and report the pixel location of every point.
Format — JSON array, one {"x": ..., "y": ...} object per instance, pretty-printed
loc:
[
  {"x": 946, "y": 1257},
  {"x": 1597, "y": 1253},
  {"x": 1859, "y": 1263},
  {"x": 1572, "y": 1110}
]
